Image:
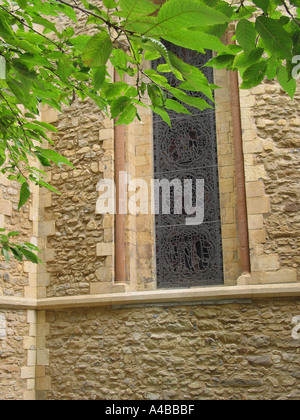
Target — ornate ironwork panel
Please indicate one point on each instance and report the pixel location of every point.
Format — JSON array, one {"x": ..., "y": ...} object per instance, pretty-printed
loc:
[{"x": 188, "y": 256}]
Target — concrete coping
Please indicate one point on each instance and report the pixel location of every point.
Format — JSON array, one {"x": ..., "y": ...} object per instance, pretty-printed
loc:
[{"x": 182, "y": 296}]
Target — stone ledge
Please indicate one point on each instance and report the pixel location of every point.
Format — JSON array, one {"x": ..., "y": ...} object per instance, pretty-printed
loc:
[
  {"x": 11, "y": 302},
  {"x": 165, "y": 296},
  {"x": 157, "y": 296}
]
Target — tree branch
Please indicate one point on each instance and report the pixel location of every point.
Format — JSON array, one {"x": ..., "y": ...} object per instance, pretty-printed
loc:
[
  {"x": 33, "y": 30},
  {"x": 18, "y": 120},
  {"x": 290, "y": 13}
]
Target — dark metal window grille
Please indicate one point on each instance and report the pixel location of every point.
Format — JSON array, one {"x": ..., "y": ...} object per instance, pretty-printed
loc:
[{"x": 188, "y": 256}]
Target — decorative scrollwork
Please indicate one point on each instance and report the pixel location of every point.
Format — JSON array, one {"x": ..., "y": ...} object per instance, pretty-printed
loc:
[
  {"x": 190, "y": 143},
  {"x": 188, "y": 256},
  {"x": 211, "y": 196}
]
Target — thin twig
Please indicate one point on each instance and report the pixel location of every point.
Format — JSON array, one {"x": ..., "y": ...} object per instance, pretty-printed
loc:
[
  {"x": 290, "y": 13},
  {"x": 137, "y": 65},
  {"x": 15, "y": 162},
  {"x": 88, "y": 12},
  {"x": 18, "y": 120},
  {"x": 33, "y": 30}
]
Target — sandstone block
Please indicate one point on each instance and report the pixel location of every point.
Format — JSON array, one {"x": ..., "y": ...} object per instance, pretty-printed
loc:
[
  {"x": 258, "y": 205},
  {"x": 266, "y": 263},
  {"x": 5, "y": 207},
  {"x": 255, "y": 146},
  {"x": 257, "y": 237},
  {"x": 104, "y": 274},
  {"x": 47, "y": 228},
  {"x": 106, "y": 133},
  {"x": 43, "y": 383},
  {"x": 28, "y": 372},
  {"x": 29, "y": 396},
  {"x": 229, "y": 231},
  {"x": 255, "y": 173},
  {"x": 105, "y": 249},
  {"x": 255, "y": 189},
  {"x": 31, "y": 358},
  {"x": 49, "y": 115},
  {"x": 255, "y": 221},
  {"x": 42, "y": 357},
  {"x": 104, "y": 288}
]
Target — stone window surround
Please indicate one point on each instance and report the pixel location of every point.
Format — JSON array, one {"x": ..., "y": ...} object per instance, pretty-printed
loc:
[
  {"x": 257, "y": 200},
  {"x": 134, "y": 132}
]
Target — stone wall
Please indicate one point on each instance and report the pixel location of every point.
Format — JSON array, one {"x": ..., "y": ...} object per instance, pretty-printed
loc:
[
  {"x": 278, "y": 125},
  {"x": 239, "y": 350},
  {"x": 271, "y": 136},
  {"x": 232, "y": 351},
  {"x": 77, "y": 227},
  {"x": 13, "y": 356},
  {"x": 13, "y": 278}
]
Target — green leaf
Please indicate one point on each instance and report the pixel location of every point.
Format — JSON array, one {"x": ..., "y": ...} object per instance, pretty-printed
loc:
[
  {"x": 155, "y": 95},
  {"x": 19, "y": 90},
  {"x": 16, "y": 253},
  {"x": 154, "y": 46},
  {"x": 276, "y": 39},
  {"x": 194, "y": 40},
  {"x": 45, "y": 23},
  {"x": 246, "y": 60},
  {"x": 119, "y": 105},
  {"x": 254, "y": 75},
  {"x": 176, "y": 106},
  {"x": 197, "y": 82},
  {"x": 42, "y": 183},
  {"x": 162, "y": 113},
  {"x": 246, "y": 35},
  {"x": 30, "y": 256},
  {"x": 24, "y": 195},
  {"x": 188, "y": 13},
  {"x": 13, "y": 234},
  {"x": 5, "y": 254},
  {"x": 263, "y": 4},
  {"x": 134, "y": 9},
  {"x": 45, "y": 162},
  {"x": 110, "y": 4},
  {"x": 289, "y": 86},
  {"x": 54, "y": 157},
  {"x": 246, "y": 12},
  {"x": 5, "y": 30},
  {"x": 31, "y": 247},
  {"x": 273, "y": 64},
  {"x": 68, "y": 11},
  {"x": 22, "y": 3},
  {"x": 99, "y": 77},
  {"x": 127, "y": 116},
  {"x": 98, "y": 50},
  {"x": 221, "y": 62},
  {"x": 113, "y": 90},
  {"x": 190, "y": 100},
  {"x": 45, "y": 125},
  {"x": 80, "y": 42},
  {"x": 195, "y": 79},
  {"x": 64, "y": 70},
  {"x": 157, "y": 78}
]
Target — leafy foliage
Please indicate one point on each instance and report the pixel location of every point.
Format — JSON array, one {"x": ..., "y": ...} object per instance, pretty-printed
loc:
[
  {"x": 19, "y": 251},
  {"x": 44, "y": 65}
]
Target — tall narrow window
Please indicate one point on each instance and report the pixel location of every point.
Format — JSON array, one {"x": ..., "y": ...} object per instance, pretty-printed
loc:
[{"x": 188, "y": 255}]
